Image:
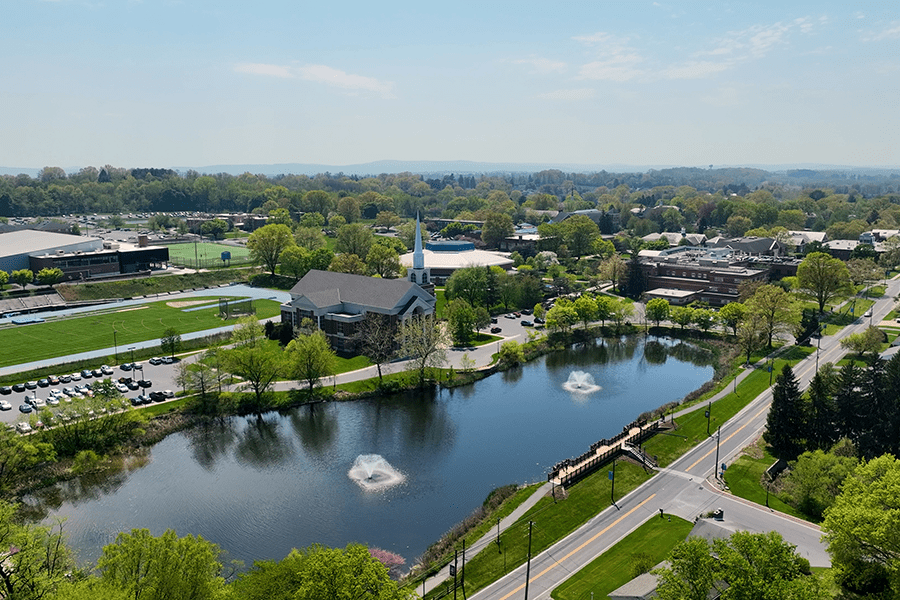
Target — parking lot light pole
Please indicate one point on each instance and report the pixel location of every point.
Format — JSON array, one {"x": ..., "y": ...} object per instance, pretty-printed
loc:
[{"x": 132, "y": 355}]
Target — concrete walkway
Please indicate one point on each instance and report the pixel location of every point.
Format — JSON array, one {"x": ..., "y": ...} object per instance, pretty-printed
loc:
[{"x": 487, "y": 541}]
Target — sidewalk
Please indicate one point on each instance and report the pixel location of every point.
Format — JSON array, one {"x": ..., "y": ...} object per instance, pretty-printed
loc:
[{"x": 486, "y": 541}]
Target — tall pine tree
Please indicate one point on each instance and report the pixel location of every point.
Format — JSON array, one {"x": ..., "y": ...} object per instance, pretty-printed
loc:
[
  {"x": 785, "y": 426},
  {"x": 849, "y": 412},
  {"x": 821, "y": 431}
]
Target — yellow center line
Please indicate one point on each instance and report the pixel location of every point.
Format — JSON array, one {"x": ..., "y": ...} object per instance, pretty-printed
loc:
[
  {"x": 736, "y": 431},
  {"x": 579, "y": 548}
]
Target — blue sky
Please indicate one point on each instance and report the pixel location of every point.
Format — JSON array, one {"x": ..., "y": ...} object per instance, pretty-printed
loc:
[{"x": 201, "y": 82}]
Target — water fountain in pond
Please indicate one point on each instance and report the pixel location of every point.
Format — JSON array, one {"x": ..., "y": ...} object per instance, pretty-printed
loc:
[
  {"x": 580, "y": 382},
  {"x": 373, "y": 473}
]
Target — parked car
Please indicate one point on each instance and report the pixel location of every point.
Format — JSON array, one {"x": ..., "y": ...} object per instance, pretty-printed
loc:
[
  {"x": 157, "y": 396},
  {"x": 144, "y": 383},
  {"x": 493, "y": 319},
  {"x": 106, "y": 370},
  {"x": 25, "y": 408},
  {"x": 4, "y": 405},
  {"x": 38, "y": 403},
  {"x": 97, "y": 373},
  {"x": 141, "y": 399},
  {"x": 527, "y": 323},
  {"x": 510, "y": 316},
  {"x": 496, "y": 330},
  {"x": 526, "y": 311},
  {"x": 155, "y": 360},
  {"x": 23, "y": 427},
  {"x": 75, "y": 377},
  {"x": 126, "y": 366},
  {"x": 52, "y": 401},
  {"x": 133, "y": 385},
  {"x": 31, "y": 385},
  {"x": 539, "y": 320},
  {"x": 168, "y": 394},
  {"x": 53, "y": 379},
  {"x": 168, "y": 360},
  {"x": 5, "y": 390},
  {"x": 65, "y": 378},
  {"x": 87, "y": 374},
  {"x": 19, "y": 387},
  {"x": 122, "y": 388},
  {"x": 43, "y": 382}
]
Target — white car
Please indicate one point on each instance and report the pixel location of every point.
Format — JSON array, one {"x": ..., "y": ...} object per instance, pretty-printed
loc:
[
  {"x": 4, "y": 405},
  {"x": 168, "y": 394},
  {"x": 122, "y": 388},
  {"x": 23, "y": 427},
  {"x": 107, "y": 370}
]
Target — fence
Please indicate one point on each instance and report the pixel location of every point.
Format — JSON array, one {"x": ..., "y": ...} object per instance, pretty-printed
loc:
[
  {"x": 209, "y": 263},
  {"x": 589, "y": 462}
]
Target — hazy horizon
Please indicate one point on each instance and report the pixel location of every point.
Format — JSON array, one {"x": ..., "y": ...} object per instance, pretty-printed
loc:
[{"x": 211, "y": 82}]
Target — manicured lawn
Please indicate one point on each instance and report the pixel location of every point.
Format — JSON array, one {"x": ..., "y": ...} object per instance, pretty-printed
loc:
[
  {"x": 61, "y": 337},
  {"x": 205, "y": 251},
  {"x": 480, "y": 340},
  {"x": 653, "y": 540},
  {"x": 692, "y": 426},
  {"x": 552, "y": 522},
  {"x": 345, "y": 365},
  {"x": 745, "y": 477}
]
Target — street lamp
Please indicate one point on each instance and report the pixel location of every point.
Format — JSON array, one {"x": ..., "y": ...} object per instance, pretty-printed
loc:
[{"x": 132, "y": 355}]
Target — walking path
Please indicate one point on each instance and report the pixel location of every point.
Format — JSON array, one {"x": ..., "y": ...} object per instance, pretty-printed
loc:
[{"x": 485, "y": 542}]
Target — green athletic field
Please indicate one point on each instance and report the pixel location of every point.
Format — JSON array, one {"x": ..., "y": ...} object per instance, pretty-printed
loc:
[
  {"x": 26, "y": 343},
  {"x": 205, "y": 251}
]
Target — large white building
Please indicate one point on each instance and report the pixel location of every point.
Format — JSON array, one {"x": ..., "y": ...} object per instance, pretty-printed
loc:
[{"x": 17, "y": 247}]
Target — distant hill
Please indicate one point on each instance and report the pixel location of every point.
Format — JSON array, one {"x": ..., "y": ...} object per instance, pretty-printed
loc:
[{"x": 467, "y": 167}]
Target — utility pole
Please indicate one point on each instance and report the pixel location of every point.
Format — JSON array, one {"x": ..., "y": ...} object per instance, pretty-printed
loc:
[
  {"x": 498, "y": 532},
  {"x": 454, "y": 575},
  {"x": 528, "y": 567},
  {"x": 708, "y": 409},
  {"x": 464, "y": 570},
  {"x": 612, "y": 490},
  {"x": 718, "y": 437}
]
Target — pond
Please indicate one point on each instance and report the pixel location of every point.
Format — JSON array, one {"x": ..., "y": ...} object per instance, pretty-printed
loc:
[{"x": 259, "y": 487}]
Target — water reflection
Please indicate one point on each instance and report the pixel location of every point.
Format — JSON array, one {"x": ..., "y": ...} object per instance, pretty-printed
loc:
[
  {"x": 259, "y": 487},
  {"x": 211, "y": 440},
  {"x": 262, "y": 443},
  {"x": 316, "y": 428}
]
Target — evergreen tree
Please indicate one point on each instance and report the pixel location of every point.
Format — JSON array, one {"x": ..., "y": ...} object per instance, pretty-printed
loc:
[
  {"x": 892, "y": 384},
  {"x": 636, "y": 283},
  {"x": 785, "y": 427},
  {"x": 875, "y": 409},
  {"x": 821, "y": 421},
  {"x": 849, "y": 417}
]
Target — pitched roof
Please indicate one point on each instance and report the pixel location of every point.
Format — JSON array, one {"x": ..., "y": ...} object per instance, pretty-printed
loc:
[{"x": 325, "y": 288}]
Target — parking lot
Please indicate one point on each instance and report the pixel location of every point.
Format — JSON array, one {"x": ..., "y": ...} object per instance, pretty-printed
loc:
[{"x": 160, "y": 377}]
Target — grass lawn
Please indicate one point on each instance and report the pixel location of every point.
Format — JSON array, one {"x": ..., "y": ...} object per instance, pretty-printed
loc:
[
  {"x": 480, "y": 340},
  {"x": 26, "y": 343},
  {"x": 653, "y": 540},
  {"x": 692, "y": 426},
  {"x": 744, "y": 477},
  {"x": 552, "y": 521},
  {"x": 205, "y": 251}
]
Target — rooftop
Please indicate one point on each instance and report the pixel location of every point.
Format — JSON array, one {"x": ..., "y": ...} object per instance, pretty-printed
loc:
[{"x": 30, "y": 241}]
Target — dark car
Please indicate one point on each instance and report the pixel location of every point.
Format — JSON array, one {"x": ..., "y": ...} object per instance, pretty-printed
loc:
[
  {"x": 87, "y": 374},
  {"x": 53, "y": 379},
  {"x": 539, "y": 320},
  {"x": 145, "y": 383},
  {"x": 526, "y": 311},
  {"x": 43, "y": 382},
  {"x": 527, "y": 323},
  {"x": 157, "y": 396},
  {"x": 126, "y": 367},
  {"x": 5, "y": 390},
  {"x": 133, "y": 385},
  {"x": 493, "y": 319},
  {"x": 97, "y": 373},
  {"x": 25, "y": 408},
  {"x": 496, "y": 330},
  {"x": 137, "y": 400},
  {"x": 19, "y": 387}
]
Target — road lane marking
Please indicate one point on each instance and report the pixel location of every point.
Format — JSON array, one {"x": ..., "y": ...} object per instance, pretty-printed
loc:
[
  {"x": 736, "y": 431},
  {"x": 579, "y": 548}
]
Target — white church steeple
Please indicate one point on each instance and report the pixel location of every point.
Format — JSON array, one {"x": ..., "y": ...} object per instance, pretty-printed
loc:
[{"x": 419, "y": 274}]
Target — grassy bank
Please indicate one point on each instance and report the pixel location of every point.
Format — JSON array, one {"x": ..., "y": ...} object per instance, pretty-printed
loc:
[
  {"x": 642, "y": 549},
  {"x": 552, "y": 520},
  {"x": 144, "y": 286}
]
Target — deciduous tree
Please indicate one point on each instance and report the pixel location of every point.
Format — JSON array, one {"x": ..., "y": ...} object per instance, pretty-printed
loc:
[
  {"x": 266, "y": 244},
  {"x": 775, "y": 309},
  {"x": 310, "y": 358},
  {"x": 823, "y": 278},
  {"x": 424, "y": 342},
  {"x": 49, "y": 276},
  {"x": 657, "y": 310},
  {"x": 497, "y": 227}
]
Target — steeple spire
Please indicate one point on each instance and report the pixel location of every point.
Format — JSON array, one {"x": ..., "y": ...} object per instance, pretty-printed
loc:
[{"x": 418, "y": 254}]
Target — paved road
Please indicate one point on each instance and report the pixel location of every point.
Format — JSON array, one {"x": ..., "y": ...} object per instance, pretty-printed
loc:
[{"x": 687, "y": 489}]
